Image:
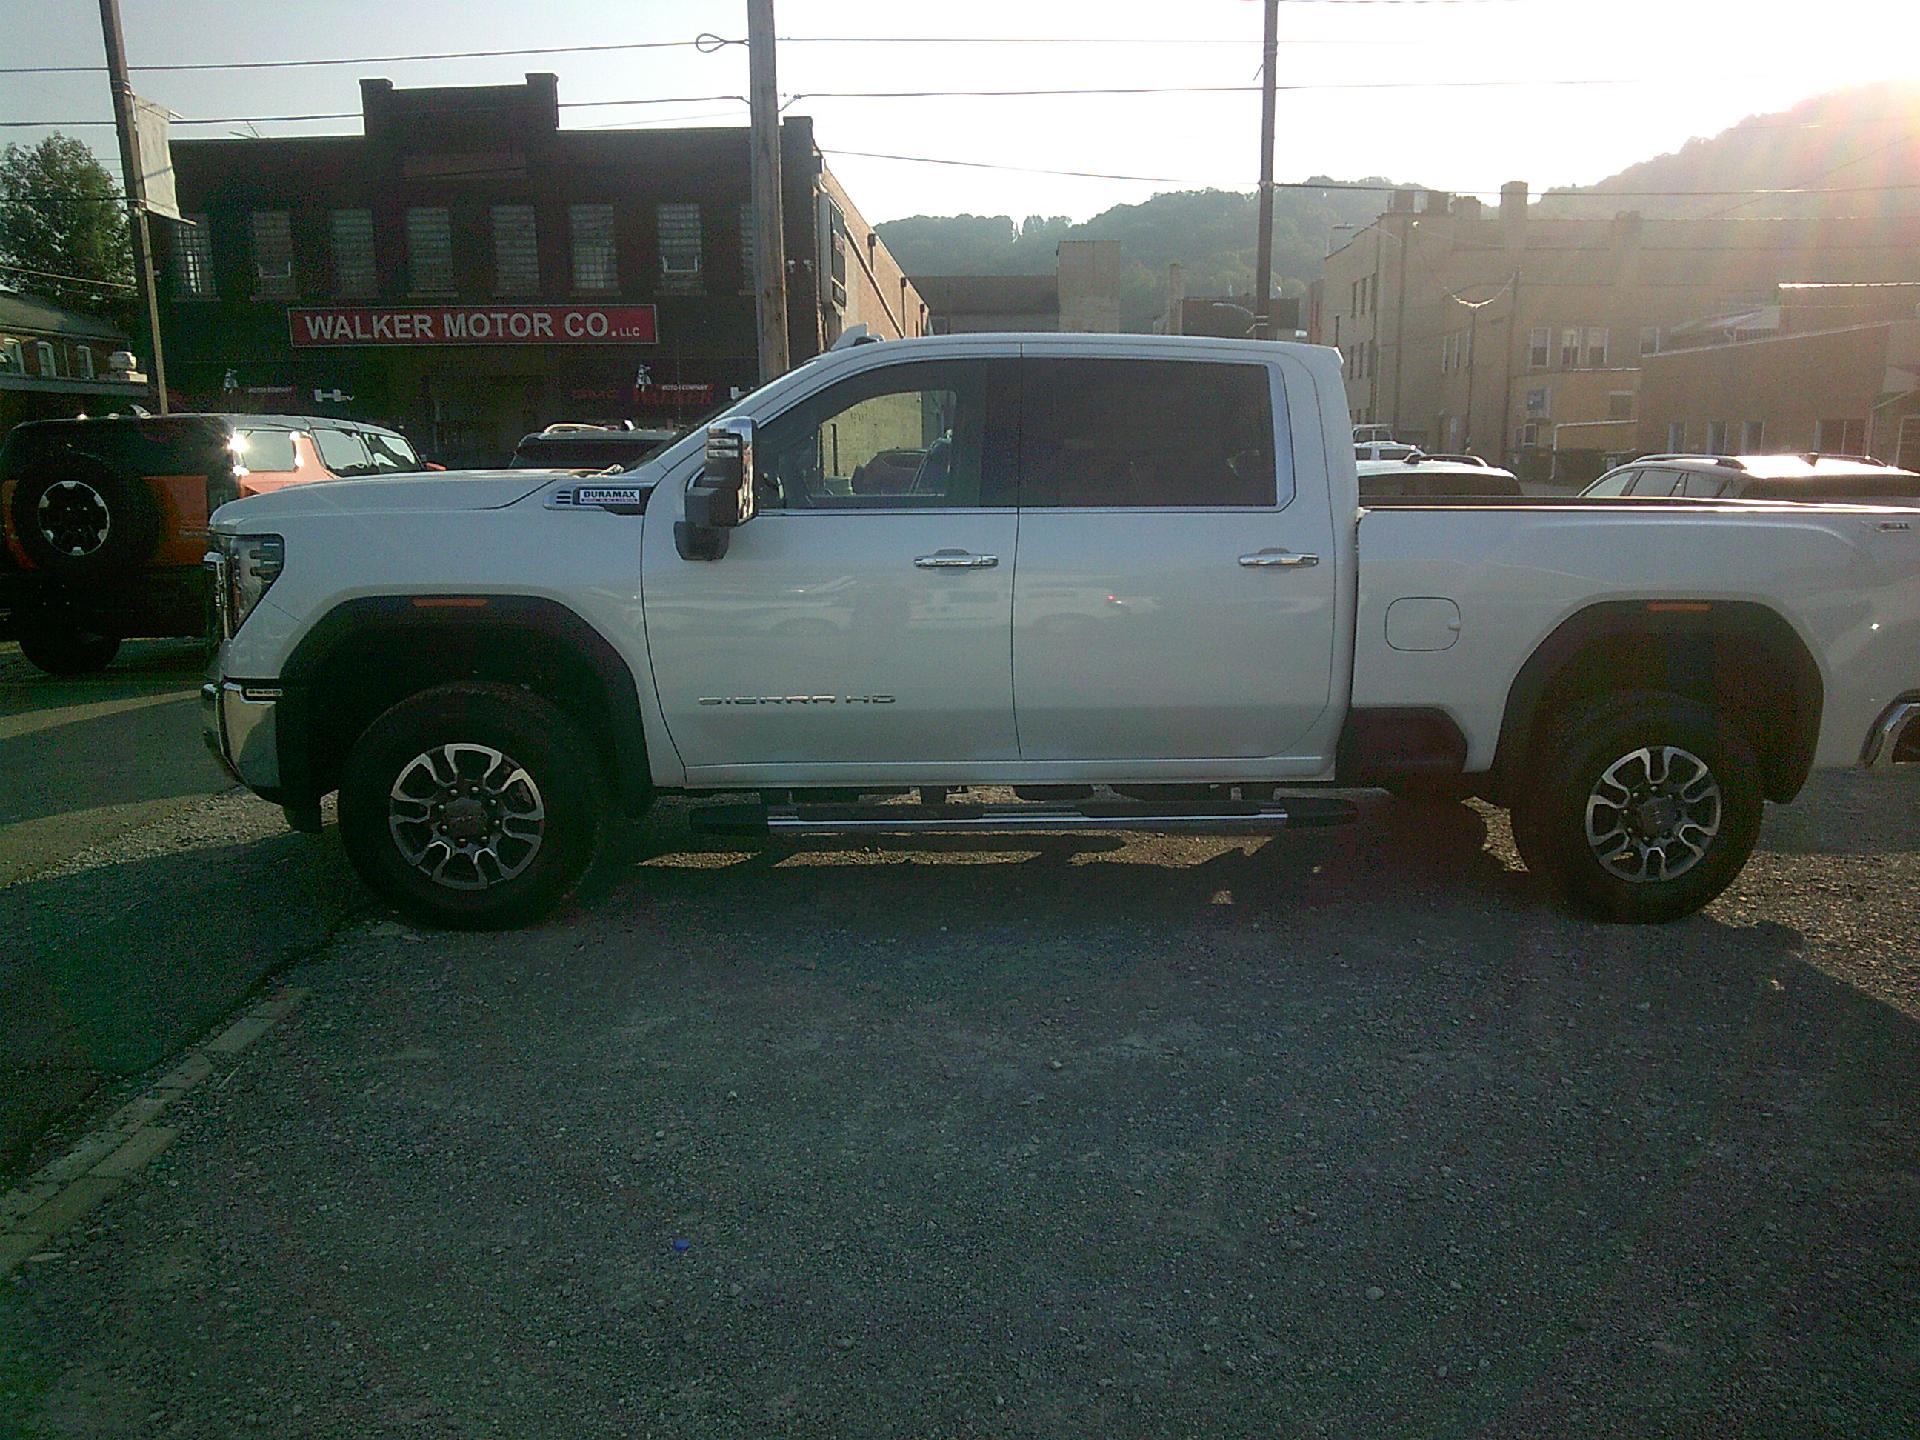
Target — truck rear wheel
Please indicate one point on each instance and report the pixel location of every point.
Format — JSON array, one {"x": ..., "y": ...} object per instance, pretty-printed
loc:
[
  {"x": 61, "y": 648},
  {"x": 471, "y": 806},
  {"x": 1641, "y": 809}
]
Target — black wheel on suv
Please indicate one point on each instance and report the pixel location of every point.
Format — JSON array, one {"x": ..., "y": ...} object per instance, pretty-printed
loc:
[
  {"x": 61, "y": 647},
  {"x": 1640, "y": 809},
  {"x": 472, "y": 806},
  {"x": 79, "y": 515}
]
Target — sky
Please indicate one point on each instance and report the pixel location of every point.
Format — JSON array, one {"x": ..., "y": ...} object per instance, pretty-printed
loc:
[{"x": 1458, "y": 95}]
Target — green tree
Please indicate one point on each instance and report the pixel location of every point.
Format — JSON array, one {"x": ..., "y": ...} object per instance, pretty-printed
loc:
[{"x": 61, "y": 214}]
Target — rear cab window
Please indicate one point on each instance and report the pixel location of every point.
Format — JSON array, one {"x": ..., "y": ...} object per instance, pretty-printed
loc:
[{"x": 1170, "y": 434}]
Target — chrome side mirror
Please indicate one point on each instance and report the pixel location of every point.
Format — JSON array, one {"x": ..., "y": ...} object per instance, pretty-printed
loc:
[{"x": 721, "y": 499}]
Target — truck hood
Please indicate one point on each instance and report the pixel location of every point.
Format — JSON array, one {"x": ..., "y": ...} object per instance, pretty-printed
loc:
[{"x": 442, "y": 491}]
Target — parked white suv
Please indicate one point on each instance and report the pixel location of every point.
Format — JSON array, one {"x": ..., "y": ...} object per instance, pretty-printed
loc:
[{"x": 1053, "y": 562}]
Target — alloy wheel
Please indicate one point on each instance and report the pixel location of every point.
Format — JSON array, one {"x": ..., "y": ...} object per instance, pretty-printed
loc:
[
  {"x": 467, "y": 816},
  {"x": 73, "y": 517},
  {"x": 1653, "y": 814}
]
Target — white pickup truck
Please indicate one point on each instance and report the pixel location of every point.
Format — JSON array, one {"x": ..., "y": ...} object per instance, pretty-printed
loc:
[{"x": 1127, "y": 576}]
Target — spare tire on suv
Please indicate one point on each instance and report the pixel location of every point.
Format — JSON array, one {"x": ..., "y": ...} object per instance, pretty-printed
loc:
[{"x": 78, "y": 515}]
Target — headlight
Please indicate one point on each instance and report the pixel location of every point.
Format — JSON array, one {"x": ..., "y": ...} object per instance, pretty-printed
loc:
[{"x": 245, "y": 567}]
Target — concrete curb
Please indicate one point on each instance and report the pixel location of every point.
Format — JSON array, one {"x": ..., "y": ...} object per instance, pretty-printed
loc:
[{"x": 55, "y": 1196}]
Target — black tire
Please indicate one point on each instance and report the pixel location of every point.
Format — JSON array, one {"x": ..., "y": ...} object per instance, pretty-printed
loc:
[
  {"x": 488, "y": 877},
  {"x": 61, "y": 648},
  {"x": 1688, "y": 815},
  {"x": 79, "y": 516}
]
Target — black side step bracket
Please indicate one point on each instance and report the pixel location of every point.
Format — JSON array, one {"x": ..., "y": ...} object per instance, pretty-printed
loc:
[{"x": 1224, "y": 818}]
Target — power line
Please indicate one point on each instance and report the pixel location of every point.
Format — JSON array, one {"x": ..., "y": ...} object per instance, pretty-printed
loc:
[
  {"x": 13, "y": 269},
  {"x": 355, "y": 114},
  {"x": 707, "y": 44}
]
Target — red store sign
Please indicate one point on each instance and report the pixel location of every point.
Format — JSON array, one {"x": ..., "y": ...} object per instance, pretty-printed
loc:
[{"x": 473, "y": 325}]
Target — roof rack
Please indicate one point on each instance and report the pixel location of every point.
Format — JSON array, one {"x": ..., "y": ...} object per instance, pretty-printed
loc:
[
  {"x": 1728, "y": 461},
  {"x": 854, "y": 335},
  {"x": 1814, "y": 457}
]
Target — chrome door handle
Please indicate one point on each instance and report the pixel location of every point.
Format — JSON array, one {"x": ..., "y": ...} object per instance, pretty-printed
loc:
[
  {"x": 1262, "y": 558},
  {"x": 956, "y": 560}
]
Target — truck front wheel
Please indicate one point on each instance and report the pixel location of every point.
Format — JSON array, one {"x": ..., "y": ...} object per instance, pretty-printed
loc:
[
  {"x": 1639, "y": 809},
  {"x": 471, "y": 806}
]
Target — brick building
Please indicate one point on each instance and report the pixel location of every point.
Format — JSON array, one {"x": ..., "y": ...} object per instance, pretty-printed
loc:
[
  {"x": 468, "y": 271},
  {"x": 56, "y": 362},
  {"x": 1524, "y": 336},
  {"x": 1854, "y": 390}
]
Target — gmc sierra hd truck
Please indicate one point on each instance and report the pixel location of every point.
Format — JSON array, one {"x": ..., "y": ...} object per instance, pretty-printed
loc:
[{"x": 1127, "y": 577}]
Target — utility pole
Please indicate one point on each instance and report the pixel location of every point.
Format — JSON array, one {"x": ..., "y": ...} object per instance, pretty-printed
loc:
[
  {"x": 136, "y": 187},
  {"x": 1400, "y": 318},
  {"x": 1263, "y": 255},
  {"x": 770, "y": 257}
]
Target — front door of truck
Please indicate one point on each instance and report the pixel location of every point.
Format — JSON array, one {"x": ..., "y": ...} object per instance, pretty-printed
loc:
[
  {"x": 859, "y": 624},
  {"x": 1177, "y": 593}
]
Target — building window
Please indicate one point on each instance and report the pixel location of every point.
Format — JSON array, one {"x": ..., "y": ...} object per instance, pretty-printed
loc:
[
  {"x": 1446, "y": 353},
  {"x": 1373, "y": 358},
  {"x": 1539, "y": 346},
  {"x": 1649, "y": 339},
  {"x": 353, "y": 266},
  {"x": 429, "y": 250},
  {"x": 1570, "y": 348},
  {"x": 516, "y": 251},
  {"x": 83, "y": 360},
  {"x": 193, "y": 259},
  {"x": 750, "y": 249},
  {"x": 1840, "y": 437},
  {"x": 1336, "y": 332},
  {"x": 46, "y": 361},
  {"x": 1677, "y": 437},
  {"x": 12, "y": 360},
  {"x": 679, "y": 230},
  {"x": 1906, "y": 453},
  {"x": 1753, "y": 436},
  {"x": 1716, "y": 437},
  {"x": 272, "y": 255},
  {"x": 595, "y": 265},
  {"x": 1528, "y": 435},
  {"x": 1596, "y": 347},
  {"x": 1620, "y": 404}
]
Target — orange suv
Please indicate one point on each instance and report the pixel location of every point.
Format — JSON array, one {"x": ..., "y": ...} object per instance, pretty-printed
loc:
[{"x": 104, "y": 521}]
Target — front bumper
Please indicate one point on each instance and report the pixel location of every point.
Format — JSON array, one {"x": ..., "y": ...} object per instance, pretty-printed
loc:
[
  {"x": 1895, "y": 737},
  {"x": 239, "y": 722}
]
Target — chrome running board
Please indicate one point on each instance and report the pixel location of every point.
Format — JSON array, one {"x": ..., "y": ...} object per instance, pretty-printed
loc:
[{"x": 1223, "y": 818}]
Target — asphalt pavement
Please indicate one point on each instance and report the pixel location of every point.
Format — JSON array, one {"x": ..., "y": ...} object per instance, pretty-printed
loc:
[
  {"x": 1339, "y": 1133},
  {"x": 141, "y": 896}
]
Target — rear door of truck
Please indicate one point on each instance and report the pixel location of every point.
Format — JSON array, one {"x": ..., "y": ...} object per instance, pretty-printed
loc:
[{"x": 1177, "y": 590}]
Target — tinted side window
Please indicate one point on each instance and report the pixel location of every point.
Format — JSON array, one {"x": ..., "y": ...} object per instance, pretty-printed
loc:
[
  {"x": 1698, "y": 485},
  {"x": 1614, "y": 484},
  {"x": 270, "y": 450},
  {"x": 343, "y": 452},
  {"x": 909, "y": 436},
  {"x": 1163, "y": 433}
]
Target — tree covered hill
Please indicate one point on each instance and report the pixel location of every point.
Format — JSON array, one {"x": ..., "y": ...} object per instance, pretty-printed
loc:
[
  {"x": 1210, "y": 232},
  {"x": 1861, "y": 147}
]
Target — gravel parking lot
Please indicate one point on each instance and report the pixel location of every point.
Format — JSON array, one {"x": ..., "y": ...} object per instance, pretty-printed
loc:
[{"x": 1343, "y": 1134}]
